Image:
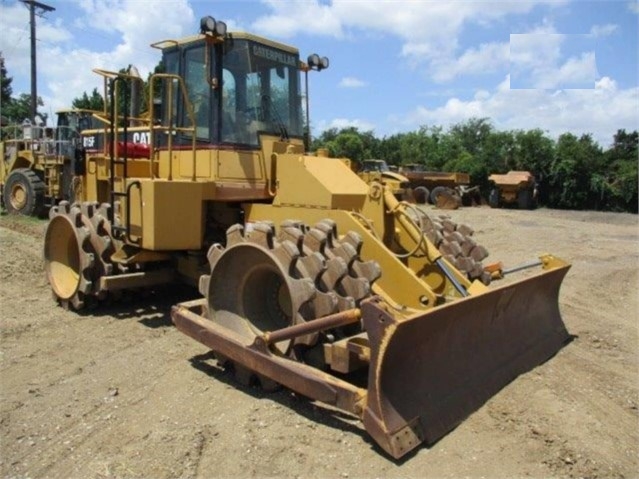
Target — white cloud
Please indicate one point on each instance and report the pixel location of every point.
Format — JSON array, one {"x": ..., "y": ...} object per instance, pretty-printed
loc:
[
  {"x": 352, "y": 82},
  {"x": 489, "y": 57},
  {"x": 531, "y": 51},
  {"x": 340, "y": 123},
  {"x": 297, "y": 16},
  {"x": 603, "y": 30},
  {"x": 576, "y": 70},
  {"x": 14, "y": 41},
  {"x": 127, "y": 26},
  {"x": 428, "y": 30},
  {"x": 633, "y": 6},
  {"x": 599, "y": 111},
  {"x": 537, "y": 61}
]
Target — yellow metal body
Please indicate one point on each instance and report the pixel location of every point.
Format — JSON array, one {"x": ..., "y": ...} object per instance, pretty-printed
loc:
[
  {"x": 36, "y": 151},
  {"x": 378, "y": 171},
  {"x": 510, "y": 184},
  {"x": 275, "y": 184},
  {"x": 418, "y": 176},
  {"x": 200, "y": 210}
]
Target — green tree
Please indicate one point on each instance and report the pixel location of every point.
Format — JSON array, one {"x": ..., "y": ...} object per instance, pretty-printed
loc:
[
  {"x": 19, "y": 109},
  {"x": 576, "y": 163},
  {"x": 472, "y": 134},
  {"x": 5, "y": 85},
  {"x": 622, "y": 172},
  {"x": 534, "y": 152},
  {"x": 389, "y": 149},
  {"x": 348, "y": 143},
  {"x": 417, "y": 146},
  {"x": 86, "y": 102}
]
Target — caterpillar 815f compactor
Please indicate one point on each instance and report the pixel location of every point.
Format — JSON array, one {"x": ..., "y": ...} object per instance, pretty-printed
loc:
[{"x": 311, "y": 278}]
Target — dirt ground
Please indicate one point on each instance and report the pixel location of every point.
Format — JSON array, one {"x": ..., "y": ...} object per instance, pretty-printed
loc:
[{"x": 119, "y": 392}]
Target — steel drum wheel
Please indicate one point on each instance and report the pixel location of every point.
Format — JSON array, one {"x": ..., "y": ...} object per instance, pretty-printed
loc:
[
  {"x": 263, "y": 282},
  {"x": 77, "y": 251}
]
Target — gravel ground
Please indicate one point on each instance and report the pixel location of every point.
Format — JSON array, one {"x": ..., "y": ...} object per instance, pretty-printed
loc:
[{"x": 119, "y": 392}]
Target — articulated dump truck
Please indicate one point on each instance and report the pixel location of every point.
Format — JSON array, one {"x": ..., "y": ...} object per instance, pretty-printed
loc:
[{"x": 309, "y": 278}]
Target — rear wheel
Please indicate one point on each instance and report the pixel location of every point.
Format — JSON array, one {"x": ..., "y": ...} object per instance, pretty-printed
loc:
[
  {"x": 525, "y": 199},
  {"x": 445, "y": 198},
  {"x": 23, "y": 193},
  {"x": 493, "y": 198},
  {"x": 421, "y": 195}
]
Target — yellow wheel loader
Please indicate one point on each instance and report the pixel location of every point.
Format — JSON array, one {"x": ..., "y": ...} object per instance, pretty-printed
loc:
[
  {"x": 310, "y": 278},
  {"x": 39, "y": 165},
  {"x": 379, "y": 171}
]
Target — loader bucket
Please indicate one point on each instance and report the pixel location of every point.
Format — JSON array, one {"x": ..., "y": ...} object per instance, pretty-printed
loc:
[{"x": 430, "y": 371}]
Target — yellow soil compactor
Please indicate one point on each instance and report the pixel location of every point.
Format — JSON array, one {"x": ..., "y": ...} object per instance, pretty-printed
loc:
[{"x": 311, "y": 278}]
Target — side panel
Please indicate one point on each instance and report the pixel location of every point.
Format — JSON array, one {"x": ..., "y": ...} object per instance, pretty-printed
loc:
[
  {"x": 172, "y": 214},
  {"x": 318, "y": 182},
  {"x": 183, "y": 163},
  {"x": 240, "y": 165}
]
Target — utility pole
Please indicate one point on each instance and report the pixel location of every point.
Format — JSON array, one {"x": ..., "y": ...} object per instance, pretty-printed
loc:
[{"x": 33, "y": 4}]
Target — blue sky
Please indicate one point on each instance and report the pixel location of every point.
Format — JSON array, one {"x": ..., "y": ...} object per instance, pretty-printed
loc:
[{"x": 558, "y": 65}]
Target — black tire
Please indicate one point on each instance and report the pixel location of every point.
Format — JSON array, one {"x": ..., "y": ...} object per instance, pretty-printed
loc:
[
  {"x": 439, "y": 190},
  {"x": 525, "y": 199},
  {"x": 23, "y": 193},
  {"x": 421, "y": 195},
  {"x": 493, "y": 198}
]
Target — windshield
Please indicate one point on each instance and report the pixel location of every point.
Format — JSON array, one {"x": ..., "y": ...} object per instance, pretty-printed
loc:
[
  {"x": 375, "y": 165},
  {"x": 76, "y": 121},
  {"x": 260, "y": 92}
]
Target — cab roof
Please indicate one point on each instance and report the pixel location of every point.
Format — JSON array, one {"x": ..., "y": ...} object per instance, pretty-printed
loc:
[{"x": 167, "y": 44}]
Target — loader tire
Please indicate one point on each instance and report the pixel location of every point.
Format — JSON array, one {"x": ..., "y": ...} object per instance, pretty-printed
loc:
[
  {"x": 525, "y": 199},
  {"x": 445, "y": 198},
  {"x": 434, "y": 194},
  {"x": 493, "y": 198},
  {"x": 23, "y": 193},
  {"x": 421, "y": 195}
]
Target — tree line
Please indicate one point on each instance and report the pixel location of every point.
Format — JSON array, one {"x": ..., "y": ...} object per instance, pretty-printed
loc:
[{"x": 573, "y": 172}]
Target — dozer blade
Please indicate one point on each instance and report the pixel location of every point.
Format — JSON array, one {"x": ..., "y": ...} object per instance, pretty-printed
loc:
[{"x": 430, "y": 371}]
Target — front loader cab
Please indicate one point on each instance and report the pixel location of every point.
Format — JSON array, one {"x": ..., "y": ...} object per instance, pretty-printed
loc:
[
  {"x": 77, "y": 120},
  {"x": 375, "y": 165},
  {"x": 70, "y": 123},
  {"x": 238, "y": 85}
]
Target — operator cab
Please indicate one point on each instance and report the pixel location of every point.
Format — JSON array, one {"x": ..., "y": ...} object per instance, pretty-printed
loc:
[
  {"x": 375, "y": 165},
  {"x": 239, "y": 86}
]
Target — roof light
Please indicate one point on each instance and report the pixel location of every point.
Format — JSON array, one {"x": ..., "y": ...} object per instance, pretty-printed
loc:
[
  {"x": 313, "y": 60},
  {"x": 220, "y": 29},
  {"x": 207, "y": 24},
  {"x": 316, "y": 63}
]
